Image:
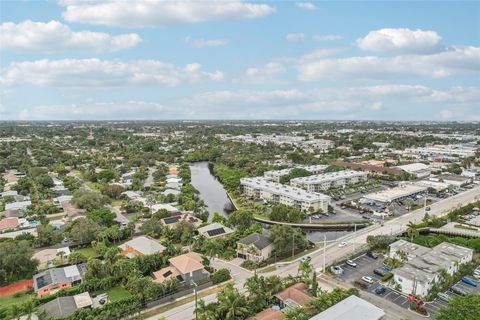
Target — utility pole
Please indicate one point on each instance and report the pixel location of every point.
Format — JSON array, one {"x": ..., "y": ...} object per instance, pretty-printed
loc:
[
  {"x": 196, "y": 299},
  {"x": 293, "y": 244},
  {"x": 354, "y": 236}
]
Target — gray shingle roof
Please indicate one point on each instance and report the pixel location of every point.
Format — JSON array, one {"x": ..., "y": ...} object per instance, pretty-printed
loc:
[{"x": 258, "y": 240}]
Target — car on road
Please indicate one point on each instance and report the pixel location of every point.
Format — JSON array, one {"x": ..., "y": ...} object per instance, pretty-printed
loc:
[
  {"x": 380, "y": 290},
  {"x": 469, "y": 281},
  {"x": 443, "y": 296},
  {"x": 342, "y": 244},
  {"x": 368, "y": 279},
  {"x": 372, "y": 255},
  {"x": 428, "y": 209},
  {"x": 307, "y": 258},
  {"x": 351, "y": 263}
]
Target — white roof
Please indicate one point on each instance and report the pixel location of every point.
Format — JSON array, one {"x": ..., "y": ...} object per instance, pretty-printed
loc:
[
  {"x": 395, "y": 193},
  {"x": 9, "y": 193},
  {"x": 144, "y": 245},
  {"x": 414, "y": 167},
  {"x": 351, "y": 308},
  {"x": 71, "y": 271},
  {"x": 17, "y": 205},
  {"x": 328, "y": 177}
]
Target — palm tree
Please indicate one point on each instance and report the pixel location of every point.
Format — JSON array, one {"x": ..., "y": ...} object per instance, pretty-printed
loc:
[
  {"x": 305, "y": 268},
  {"x": 412, "y": 231},
  {"x": 232, "y": 304}
]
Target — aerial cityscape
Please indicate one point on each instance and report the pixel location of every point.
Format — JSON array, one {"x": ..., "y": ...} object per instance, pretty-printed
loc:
[{"x": 222, "y": 160}]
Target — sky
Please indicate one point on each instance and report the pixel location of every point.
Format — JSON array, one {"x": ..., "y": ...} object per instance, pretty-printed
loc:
[{"x": 325, "y": 60}]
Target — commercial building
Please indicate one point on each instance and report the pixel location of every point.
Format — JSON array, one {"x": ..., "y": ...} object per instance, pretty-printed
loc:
[
  {"x": 399, "y": 193},
  {"x": 351, "y": 308},
  {"x": 419, "y": 169},
  {"x": 260, "y": 188},
  {"x": 452, "y": 179},
  {"x": 423, "y": 265},
  {"x": 322, "y": 182},
  {"x": 443, "y": 151},
  {"x": 438, "y": 186}
]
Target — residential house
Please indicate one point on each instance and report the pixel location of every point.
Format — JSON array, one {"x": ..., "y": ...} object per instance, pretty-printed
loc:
[
  {"x": 45, "y": 256},
  {"x": 172, "y": 221},
  {"x": 187, "y": 267},
  {"x": 56, "y": 279},
  {"x": 63, "y": 307},
  {"x": 140, "y": 246},
  {"x": 8, "y": 224},
  {"x": 18, "y": 208},
  {"x": 294, "y": 296},
  {"x": 214, "y": 230},
  {"x": 255, "y": 247},
  {"x": 268, "y": 314}
]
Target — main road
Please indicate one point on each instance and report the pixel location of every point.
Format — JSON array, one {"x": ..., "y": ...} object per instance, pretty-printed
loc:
[{"x": 334, "y": 252}]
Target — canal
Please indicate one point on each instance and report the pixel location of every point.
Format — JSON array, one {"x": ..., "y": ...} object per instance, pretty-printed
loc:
[{"x": 211, "y": 190}]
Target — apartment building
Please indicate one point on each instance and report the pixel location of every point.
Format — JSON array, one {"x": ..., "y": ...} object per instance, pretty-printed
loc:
[
  {"x": 275, "y": 175},
  {"x": 259, "y": 188},
  {"x": 322, "y": 182}
]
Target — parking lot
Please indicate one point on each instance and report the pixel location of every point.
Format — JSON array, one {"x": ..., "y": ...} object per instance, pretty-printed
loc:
[{"x": 365, "y": 267}]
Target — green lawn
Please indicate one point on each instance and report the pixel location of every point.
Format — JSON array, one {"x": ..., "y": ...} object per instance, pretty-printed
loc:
[
  {"x": 117, "y": 293},
  {"x": 117, "y": 203},
  {"x": 88, "y": 252},
  {"x": 15, "y": 299}
]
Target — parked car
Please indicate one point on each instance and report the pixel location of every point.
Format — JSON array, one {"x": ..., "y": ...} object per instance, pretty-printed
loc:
[
  {"x": 351, "y": 263},
  {"x": 336, "y": 269},
  {"x": 458, "y": 290},
  {"x": 476, "y": 275},
  {"x": 443, "y": 296},
  {"x": 361, "y": 284},
  {"x": 342, "y": 244},
  {"x": 307, "y": 258},
  {"x": 380, "y": 290},
  {"x": 428, "y": 209},
  {"x": 379, "y": 272},
  {"x": 387, "y": 268},
  {"x": 367, "y": 279},
  {"x": 372, "y": 255},
  {"x": 469, "y": 281}
]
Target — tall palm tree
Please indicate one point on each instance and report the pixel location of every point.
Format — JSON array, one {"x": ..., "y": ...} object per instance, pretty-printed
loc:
[
  {"x": 305, "y": 268},
  {"x": 232, "y": 304},
  {"x": 412, "y": 231}
]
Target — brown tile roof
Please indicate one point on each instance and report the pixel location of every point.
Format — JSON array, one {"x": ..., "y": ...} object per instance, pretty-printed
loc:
[
  {"x": 297, "y": 293},
  {"x": 187, "y": 262},
  {"x": 268, "y": 314},
  {"x": 165, "y": 273},
  {"x": 368, "y": 167}
]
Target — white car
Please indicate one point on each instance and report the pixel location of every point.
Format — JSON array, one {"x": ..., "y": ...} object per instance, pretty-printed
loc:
[
  {"x": 367, "y": 279},
  {"x": 351, "y": 263},
  {"x": 342, "y": 244}
]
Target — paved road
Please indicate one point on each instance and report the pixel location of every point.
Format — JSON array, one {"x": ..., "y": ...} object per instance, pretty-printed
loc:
[{"x": 333, "y": 252}]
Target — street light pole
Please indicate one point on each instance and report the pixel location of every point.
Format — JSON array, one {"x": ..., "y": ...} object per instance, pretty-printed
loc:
[
  {"x": 354, "y": 236},
  {"x": 196, "y": 299},
  {"x": 293, "y": 244},
  {"x": 324, "y": 251}
]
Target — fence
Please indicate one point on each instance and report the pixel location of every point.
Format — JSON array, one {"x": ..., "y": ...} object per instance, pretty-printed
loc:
[{"x": 177, "y": 295}]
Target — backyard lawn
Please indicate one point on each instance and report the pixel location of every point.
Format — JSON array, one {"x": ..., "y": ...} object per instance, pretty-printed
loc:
[
  {"x": 117, "y": 293},
  {"x": 88, "y": 252},
  {"x": 15, "y": 299}
]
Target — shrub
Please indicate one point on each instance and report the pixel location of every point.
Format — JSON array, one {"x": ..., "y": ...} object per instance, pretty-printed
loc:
[{"x": 220, "y": 276}]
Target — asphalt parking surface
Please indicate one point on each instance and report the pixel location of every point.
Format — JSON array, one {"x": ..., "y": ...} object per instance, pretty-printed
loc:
[{"x": 365, "y": 267}]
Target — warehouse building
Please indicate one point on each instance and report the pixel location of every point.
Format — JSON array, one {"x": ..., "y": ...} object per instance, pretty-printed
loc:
[
  {"x": 322, "y": 182},
  {"x": 259, "y": 188},
  {"x": 419, "y": 169}
]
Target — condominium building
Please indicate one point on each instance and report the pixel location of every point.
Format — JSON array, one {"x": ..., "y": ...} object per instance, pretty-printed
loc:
[
  {"x": 260, "y": 188},
  {"x": 322, "y": 182},
  {"x": 275, "y": 175},
  {"x": 422, "y": 268}
]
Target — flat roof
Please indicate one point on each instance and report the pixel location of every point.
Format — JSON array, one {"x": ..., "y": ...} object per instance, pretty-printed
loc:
[
  {"x": 280, "y": 189},
  {"x": 351, "y": 308},
  {"x": 395, "y": 193},
  {"x": 327, "y": 177}
]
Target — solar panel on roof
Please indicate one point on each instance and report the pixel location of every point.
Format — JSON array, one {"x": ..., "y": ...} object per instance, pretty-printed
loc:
[
  {"x": 171, "y": 220},
  {"x": 216, "y": 232},
  {"x": 166, "y": 274}
]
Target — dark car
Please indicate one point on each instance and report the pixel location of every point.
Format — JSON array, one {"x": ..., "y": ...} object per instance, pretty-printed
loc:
[
  {"x": 456, "y": 289},
  {"x": 380, "y": 290},
  {"x": 361, "y": 284},
  {"x": 379, "y": 272},
  {"x": 372, "y": 255}
]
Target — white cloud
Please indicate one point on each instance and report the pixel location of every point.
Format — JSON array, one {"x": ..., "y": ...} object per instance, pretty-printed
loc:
[
  {"x": 295, "y": 36},
  {"x": 267, "y": 74},
  {"x": 53, "y": 36},
  {"x": 455, "y": 61},
  {"x": 446, "y": 114},
  {"x": 306, "y": 5},
  {"x": 104, "y": 73},
  {"x": 326, "y": 37},
  {"x": 150, "y": 13},
  {"x": 377, "y": 106},
  {"x": 400, "y": 39},
  {"x": 200, "y": 43}
]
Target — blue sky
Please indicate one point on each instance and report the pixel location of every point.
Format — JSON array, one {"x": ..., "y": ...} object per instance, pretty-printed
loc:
[{"x": 379, "y": 60}]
